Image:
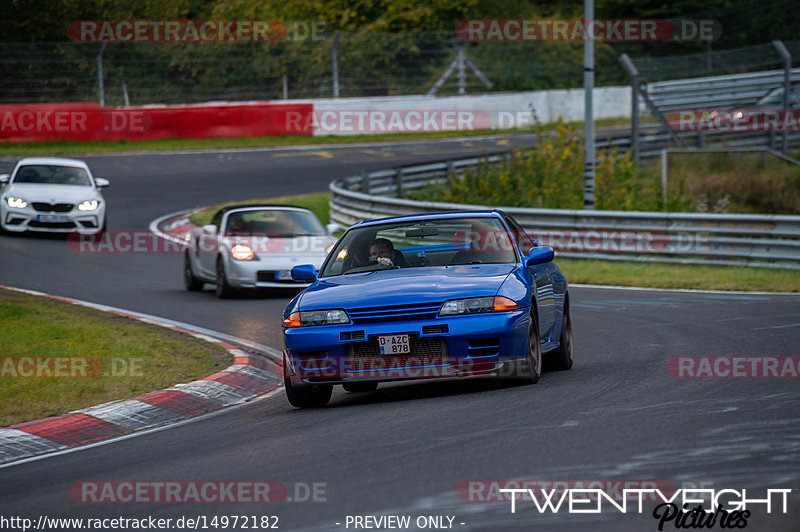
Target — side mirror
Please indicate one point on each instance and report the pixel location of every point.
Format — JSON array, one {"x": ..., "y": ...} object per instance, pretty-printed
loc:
[
  {"x": 4, "y": 178},
  {"x": 101, "y": 183},
  {"x": 539, "y": 255},
  {"x": 305, "y": 273},
  {"x": 210, "y": 229},
  {"x": 332, "y": 228}
]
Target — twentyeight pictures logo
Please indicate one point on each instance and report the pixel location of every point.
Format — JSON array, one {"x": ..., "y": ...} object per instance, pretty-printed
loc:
[{"x": 565, "y": 30}]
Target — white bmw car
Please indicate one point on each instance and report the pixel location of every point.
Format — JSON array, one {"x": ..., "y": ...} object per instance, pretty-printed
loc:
[
  {"x": 255, "y": 247},
  {"x": 50, "y": 194}
]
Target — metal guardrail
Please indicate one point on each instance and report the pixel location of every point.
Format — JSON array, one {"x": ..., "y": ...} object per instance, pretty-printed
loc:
[
  {"x": 753, "y": 240},
  {"x": 718, "y": 92}
]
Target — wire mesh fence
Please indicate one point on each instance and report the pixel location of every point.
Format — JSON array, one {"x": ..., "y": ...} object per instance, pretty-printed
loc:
[
  {"x": 714, "y": 63},
  {"x": 369, "y": 64}
]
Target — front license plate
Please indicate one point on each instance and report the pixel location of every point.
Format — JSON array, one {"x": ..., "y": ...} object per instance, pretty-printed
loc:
[
  {"x": 283, "y": 275},
  {"x": 396, "y": 344},
  {"x": 52, "y": 218}
]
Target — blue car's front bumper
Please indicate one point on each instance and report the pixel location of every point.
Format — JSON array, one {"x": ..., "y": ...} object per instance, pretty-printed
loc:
[{"x": 458, "y": 346}]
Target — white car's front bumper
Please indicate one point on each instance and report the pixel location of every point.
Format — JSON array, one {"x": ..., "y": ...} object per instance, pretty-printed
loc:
[{"x": 51, "y": 219}]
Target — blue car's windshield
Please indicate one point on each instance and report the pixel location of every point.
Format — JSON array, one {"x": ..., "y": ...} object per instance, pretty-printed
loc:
[{"x": 442, "y": 242}]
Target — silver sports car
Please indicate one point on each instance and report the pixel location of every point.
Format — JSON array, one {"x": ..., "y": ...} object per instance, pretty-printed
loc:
[{"x": 254, "y": 247}]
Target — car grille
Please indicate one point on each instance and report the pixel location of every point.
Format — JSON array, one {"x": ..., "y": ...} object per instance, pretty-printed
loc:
[
  {"x": 57, "y": 207},
  {"x": 52, "y": 225},
  {"x": 413, "y": 311}
]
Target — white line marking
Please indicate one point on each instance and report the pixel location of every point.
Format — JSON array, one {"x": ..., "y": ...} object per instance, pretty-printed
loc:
[
  {"x": 776, "y": 327},
  {"x": 687, "y": 290},
  {"x": 301, "y": 147}
]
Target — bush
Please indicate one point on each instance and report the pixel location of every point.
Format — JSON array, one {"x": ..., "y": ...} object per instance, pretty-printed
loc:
[{"x": 550, "y": 175}]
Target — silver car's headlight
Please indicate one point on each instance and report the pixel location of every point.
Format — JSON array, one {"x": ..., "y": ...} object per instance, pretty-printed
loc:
[
  {"x": 242, "y": 252},
  {"x": 88, "y": 205},
  {"x": 17, "y": 203}
]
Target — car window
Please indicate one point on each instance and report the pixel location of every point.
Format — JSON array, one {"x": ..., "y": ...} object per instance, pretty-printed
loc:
[
  {"x": 420, "y": 244},
  {"x": 524, "y": 242},
  {"x": 52, "y": 175},
  {"x": 275, "y": 223}
]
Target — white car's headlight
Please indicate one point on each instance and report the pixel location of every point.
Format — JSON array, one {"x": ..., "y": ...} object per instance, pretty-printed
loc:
[
  {"x": 88, "y": 205},
  {"x": 17, "y": 203},
  {"x": 242, "y": 252}
]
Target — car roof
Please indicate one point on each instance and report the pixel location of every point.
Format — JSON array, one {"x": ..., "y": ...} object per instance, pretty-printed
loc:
[
  {"x": 493, "y": 213},
  {"x": 230, "y": 208},
  {"x": 55, "y": 161}
]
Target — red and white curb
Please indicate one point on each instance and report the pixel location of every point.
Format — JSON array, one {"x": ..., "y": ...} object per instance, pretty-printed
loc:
[
  {"x": 250, "y": 376},
  {"x": 174, "y": 226}
]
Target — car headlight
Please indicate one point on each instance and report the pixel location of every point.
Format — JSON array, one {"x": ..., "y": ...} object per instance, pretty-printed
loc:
[
  {"x": 88, "y": 205},
  {"x": 310, "y": 318},
  {"x": 329, "y": 248},
  {"x": 17, "y": 203},
  {"x": 242, "y": 252},
  {"x": 476, "y": 305}
]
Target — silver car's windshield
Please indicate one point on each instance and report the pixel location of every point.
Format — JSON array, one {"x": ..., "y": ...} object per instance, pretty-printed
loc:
[
  {"x": 52, "y": 175},
  {"x": 420, "y": 244},
  {"x": 273, "y": 223}
]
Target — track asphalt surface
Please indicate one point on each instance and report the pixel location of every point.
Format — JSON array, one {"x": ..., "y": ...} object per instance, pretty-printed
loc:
[{"x": 406, "y": 449}]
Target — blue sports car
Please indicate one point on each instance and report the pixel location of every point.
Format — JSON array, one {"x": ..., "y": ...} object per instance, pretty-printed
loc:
[{"x": 456, "y": 294}]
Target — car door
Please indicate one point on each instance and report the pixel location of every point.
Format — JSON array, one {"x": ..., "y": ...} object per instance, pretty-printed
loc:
[
  {"x": 207, "y": 245},
  {"x": 542, "y": 280}
]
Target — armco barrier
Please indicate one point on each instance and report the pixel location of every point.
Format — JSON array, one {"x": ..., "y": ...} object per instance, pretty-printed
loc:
[
  {"x": 90, "y": 122},
  {"x": 755, "y": 240}
]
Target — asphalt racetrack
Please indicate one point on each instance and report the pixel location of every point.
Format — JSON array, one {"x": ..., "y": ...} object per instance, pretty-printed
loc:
[{"x": 423, "y": 449}]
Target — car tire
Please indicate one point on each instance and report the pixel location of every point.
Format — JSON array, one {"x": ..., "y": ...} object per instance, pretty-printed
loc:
[
  {"x": 222, "y": 288},
  {"x": 314, "y": 396},
  {"x": 190, "y": 282},
  {"x": 357, "y": 387},
  {"x": 562, "y": 358},
  {"x": 533, "y": 352}
]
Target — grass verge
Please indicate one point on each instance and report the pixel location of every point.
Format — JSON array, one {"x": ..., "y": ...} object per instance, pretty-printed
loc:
[
  {"x": 61, "y": 148},
  {"x": 316, "y": 202},
  {"x": 690, "y": 276},
  {"x": 622, "y": 273},
  {"x": 113, "y": 357}
]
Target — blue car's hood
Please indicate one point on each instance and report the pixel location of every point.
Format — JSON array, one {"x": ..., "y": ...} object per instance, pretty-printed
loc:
[{"x": 395, "y": 287}]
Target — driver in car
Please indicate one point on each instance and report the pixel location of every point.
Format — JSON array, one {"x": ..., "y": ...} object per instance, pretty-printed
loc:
[{"x": 382, "y": 251}]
